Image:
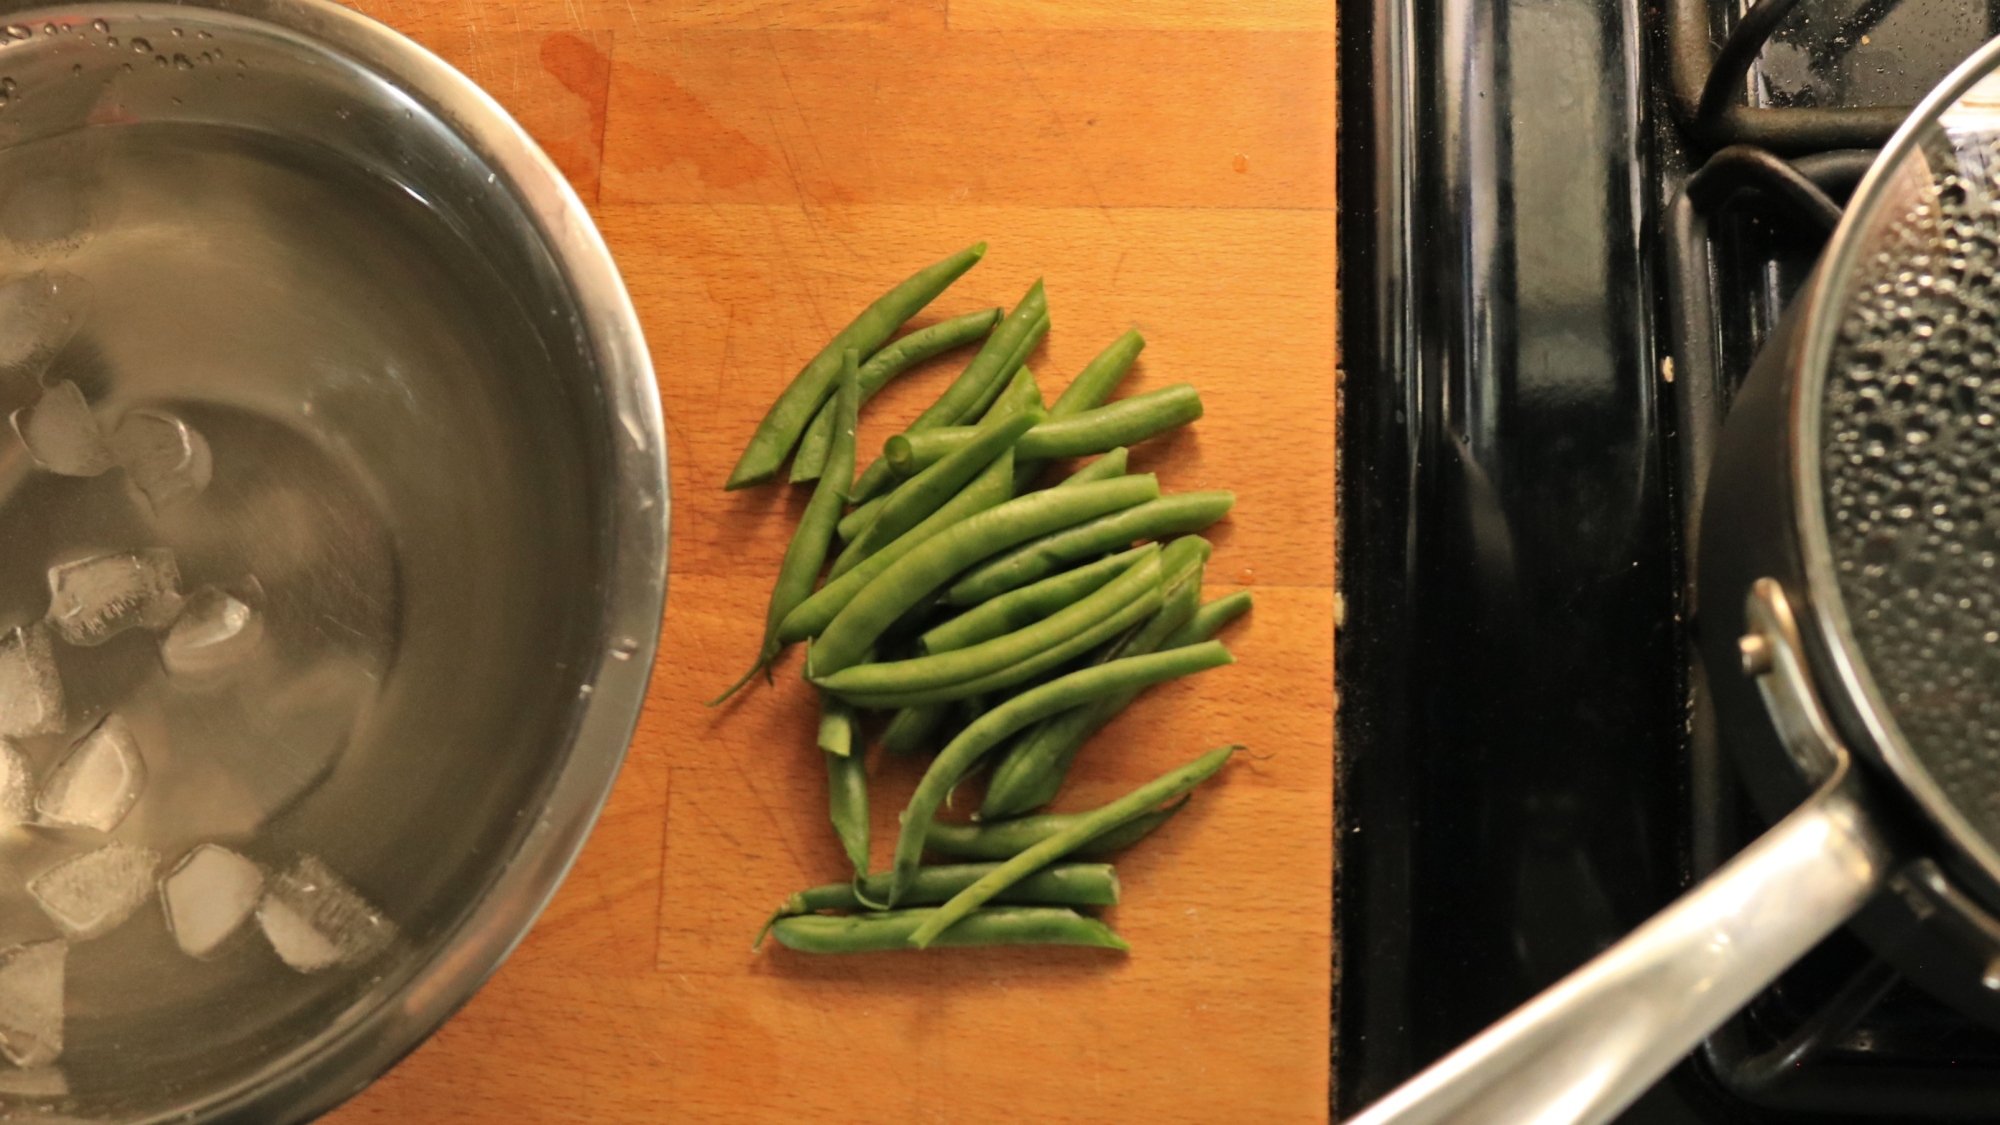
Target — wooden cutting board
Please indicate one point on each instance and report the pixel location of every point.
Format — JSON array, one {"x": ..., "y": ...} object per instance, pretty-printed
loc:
[{"x": 761, "y": 169}]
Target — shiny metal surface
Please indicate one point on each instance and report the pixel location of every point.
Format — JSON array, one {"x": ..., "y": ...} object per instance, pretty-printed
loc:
[
  {"x": 1584, "y": 1049},
  {"x": 1504, "y": 522},
  {"x": 1501, "y": 824},
  {"x": 1881, "y": 192},
  {"x": 438, "y": 471}
]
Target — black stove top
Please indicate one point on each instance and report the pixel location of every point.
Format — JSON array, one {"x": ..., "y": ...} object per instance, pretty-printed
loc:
[{"x": 1566, "y": 227}]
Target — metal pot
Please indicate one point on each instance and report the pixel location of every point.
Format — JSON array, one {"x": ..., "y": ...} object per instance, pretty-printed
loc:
[
  {"x": 1895, "y": 833},
  {"x": 437, "y": 456}
]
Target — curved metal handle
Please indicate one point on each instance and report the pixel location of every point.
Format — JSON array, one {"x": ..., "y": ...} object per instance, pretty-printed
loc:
[
  {"x": 1582, "y": 1050},
  {"x": 1590, "y": 1044}
]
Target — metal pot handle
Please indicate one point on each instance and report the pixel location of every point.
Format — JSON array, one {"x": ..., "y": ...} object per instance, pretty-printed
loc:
[{"x": 1594, "y": 1041}]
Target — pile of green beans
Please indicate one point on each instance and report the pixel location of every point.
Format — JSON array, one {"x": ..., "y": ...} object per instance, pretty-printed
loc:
[
  {"x": 979, "y": 619},
  {"x": 1093, "y": 431}
]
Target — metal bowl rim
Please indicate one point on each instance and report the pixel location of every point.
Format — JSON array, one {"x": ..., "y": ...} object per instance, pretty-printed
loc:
[{"x": 406, "y": 1007}]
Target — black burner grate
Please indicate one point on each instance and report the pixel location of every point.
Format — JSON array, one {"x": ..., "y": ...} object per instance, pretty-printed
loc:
[{"x": 1541, "y": 336}]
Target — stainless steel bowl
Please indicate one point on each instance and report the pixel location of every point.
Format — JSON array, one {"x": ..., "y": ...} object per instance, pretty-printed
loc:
[{"x": 437, "y": 459}]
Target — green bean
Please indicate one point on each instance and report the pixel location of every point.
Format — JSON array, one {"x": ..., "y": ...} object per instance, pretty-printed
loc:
[
  {"x": 1181, "y": 563},
  {"x": 1087, "y": 391},
  {"x": 865, "y": 683},
  {"x": 1053, "y": 657},
  {"x": 1021, "y": 393},
  {"x": 1036, "y": 333},
  {"x": 1063, "y": 884},
  {"x": 988, "y": 490},
  {"x": 1148, "y": 796},
  {"x": 895, "y": 358},
  {"x": 1017, "y": 609},
  {"x": 846, "y": 781},
  {"x": 986, "y": 732},
  {"x": 1033, "y": 769},
  {"x": 874, "y": 480},
  {"x": 806, "y": 553},
  {"x": 1021, "y": 396},
  {"x": 987, "y": 369},
  {"x": 795, "y": 407},
  {"x": 1128, "y": 616},
  {"x": 1094, "y": 431},
  {"x": 931, "y": 489},
  {"x": 1209, "y": 619},
  {"x": 1025, "y": 672},
  {"x": 932, "y": 563},
  {"x": 1008, "y": 838},
  {"x": 1003, "y": 925},
  {"x": 913, "y": 729},
  {"x": 1100, "y": 376},
  {"x": 836, "y": 727},
  {"x": 1110, "y": 465},
  {"x": 857, "y": 521},
  {"x": 1117, "y": 423},
  {"x": 1169, "y": 515},
  {"x": 992, "y": 367}
]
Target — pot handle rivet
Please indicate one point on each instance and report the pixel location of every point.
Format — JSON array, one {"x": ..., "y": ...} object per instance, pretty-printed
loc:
[{"x": 1756, "y": 652}]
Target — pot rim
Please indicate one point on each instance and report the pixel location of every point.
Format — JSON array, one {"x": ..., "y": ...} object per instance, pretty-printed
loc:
[{"x": 1825, "y": 604}]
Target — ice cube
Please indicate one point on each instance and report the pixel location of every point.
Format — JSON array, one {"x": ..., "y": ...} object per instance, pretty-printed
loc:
[
  {"x": 208, "y": 895},
  {"x": 92, "y": 600},
  {"x": 17, "y": 785},
  {"x": 40, "y": 1083},
  {"x": 31, "y": 691},
  {"x": 213, "y": 632},
  {"x": 97, "y": 782},
  {"x": 315, "y": 921},
  {"x": 167, "y": 459},
  {"x": 61, "y": 434},
  {"x": 39, "y": 312},
  {"x": 297, "y": 941},
  {"x": 90, "y": 895},
  {"x": 31, "y": 1002}
]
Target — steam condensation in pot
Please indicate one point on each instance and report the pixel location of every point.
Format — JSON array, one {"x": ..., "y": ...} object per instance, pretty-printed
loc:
[{"x": 1911, "y": 461}]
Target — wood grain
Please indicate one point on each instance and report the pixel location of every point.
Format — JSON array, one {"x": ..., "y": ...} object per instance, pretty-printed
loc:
[
  {"x": 484, "y": 22},
  {"x": 1174, "y": 15},
  {"x": 1052, "y": 119},
  {"x": 762, "y": 170}
]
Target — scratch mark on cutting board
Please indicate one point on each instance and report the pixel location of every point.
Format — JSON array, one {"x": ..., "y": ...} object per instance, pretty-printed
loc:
[
  {"x": 1062, "y": 130},
  {"x": 778, "y": 236},
  {"x": 581, "y": 68},
  {"x": 803, "y": 193},
  {"x": 660, "y": 883}
]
